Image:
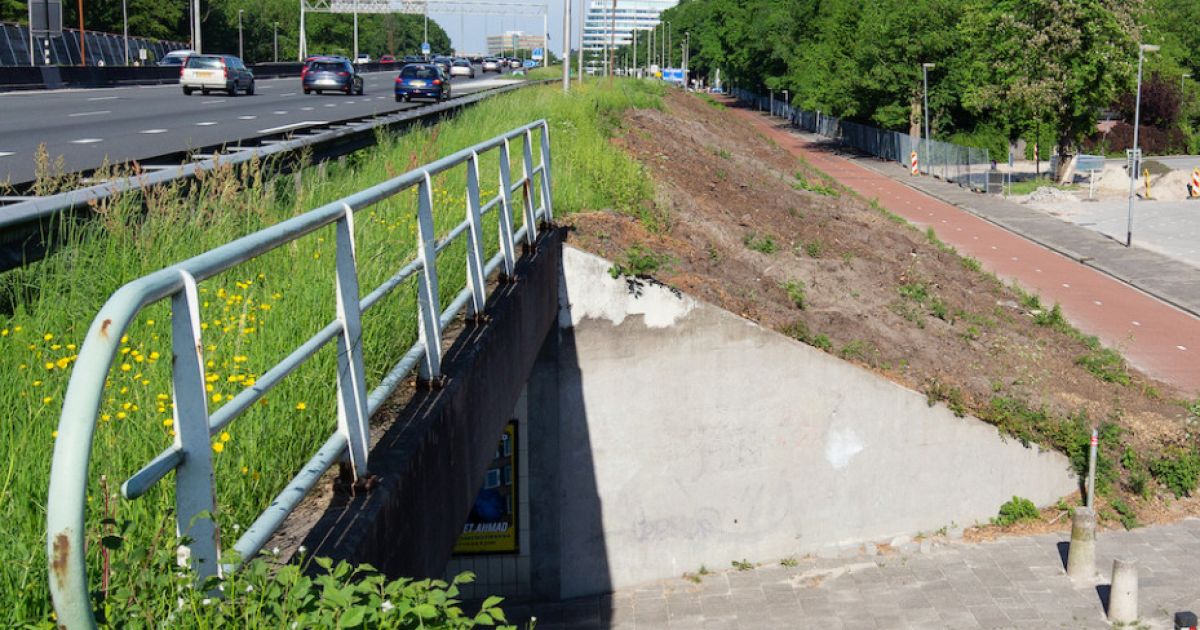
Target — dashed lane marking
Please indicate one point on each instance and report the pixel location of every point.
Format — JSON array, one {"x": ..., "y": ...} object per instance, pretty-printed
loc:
[
  {"x": 279, "y": 112},
  {"x": 247, "y": 117},
  {"x": 95, "y": 113},
  {"x": 6, "y": 153},
  {"x": 103, "y": 98},
  {"x": 1136, "y": 323},
  {"x": 206, "y": 123},
  {"x": 87, "y": 141},
  {"x": 153, "y": 131},
  {"x": 289, "y": 94},
  {"x": 213, "y": 102},
  {"x": 1183, "y": 348}
]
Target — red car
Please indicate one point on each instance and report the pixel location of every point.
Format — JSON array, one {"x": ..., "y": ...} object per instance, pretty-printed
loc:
[{"x": 387, "y": 59}]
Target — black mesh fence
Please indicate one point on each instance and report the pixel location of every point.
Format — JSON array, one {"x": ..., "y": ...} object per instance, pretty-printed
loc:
[{"x": 63, "y": 50}]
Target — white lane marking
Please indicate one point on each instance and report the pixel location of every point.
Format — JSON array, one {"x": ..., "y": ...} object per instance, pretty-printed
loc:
[
  {"x": 153, "y": 131},
  {"x": 305, "y": 123},
  {"x": 247, "y": 117},
  {"x": 330, "y": 104},
  {"x": 289, "y": 94},
  {"x": 1038, "y": 270},
  {"x": 1066, "y": 286},
  {"x": 87, "y": 141},
  {"x": 1184, "y": 348},
  {"x": 207, "y": 123},
  {"x": 1136, "y": 323},
  {"x": 1097, "y": 302},
  {"x": 95, "y": 113},
  {"x": 6, "y": 153},
  {"x": 306, "y": 109},
  {"x": 219, "y": 100},
  {"x": 103, "y": 98},
  {"x": 279, "y": 112}
]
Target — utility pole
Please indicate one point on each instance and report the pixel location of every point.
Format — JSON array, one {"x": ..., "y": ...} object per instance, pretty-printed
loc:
[
  {"x": 566, "y": 44},
  {"x": 241, "y": 47},
  {"x": 82, "y": 52},
  {"x": 635, "y": 66},
  {"x": 355, "y": 58},
  {"x": 582, "y": 20},
  {"x": 612, "y": 39},
  {"x": 670, "y": 51},
  {"x": 276, "y": 38},
  {"x": 196, "y": 25}
]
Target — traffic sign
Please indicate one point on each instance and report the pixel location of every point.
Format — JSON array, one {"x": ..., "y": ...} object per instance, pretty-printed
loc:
[
  {"x": 537, "y": 54},
  {"x": 529, "y": 63},
  {"x": 425, "y": 49}
]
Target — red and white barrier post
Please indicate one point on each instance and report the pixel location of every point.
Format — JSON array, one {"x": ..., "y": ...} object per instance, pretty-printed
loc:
[{"x": 916, "y": 170}]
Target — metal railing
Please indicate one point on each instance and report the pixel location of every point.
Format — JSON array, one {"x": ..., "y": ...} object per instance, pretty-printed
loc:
[
  {"x": 965, "y": 166},
  {"x": 64, "y": 48},
  {"x": 191, "y": 455}
]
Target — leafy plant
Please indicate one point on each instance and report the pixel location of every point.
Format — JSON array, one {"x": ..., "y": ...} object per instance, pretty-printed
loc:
[
  {"x": 742, "y": 565},
  {"x": 822, "y": 342},
  {"x": 795, "y": 293},
  {"x": 1106, "y": 365},
  {"x": 789, "y": 562},
  {"x": 1178, "y": 470},
  {"x": 639, "y": 263},
  {"x": 1128, "y": 516},
  {"x": 1016, "y": 510},
  {"x": 764, "y": 244},
  {"x": 814, "y": 249}
]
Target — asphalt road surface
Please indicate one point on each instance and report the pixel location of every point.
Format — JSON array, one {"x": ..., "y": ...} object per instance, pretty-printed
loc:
[{"x": 88, "y": 126}]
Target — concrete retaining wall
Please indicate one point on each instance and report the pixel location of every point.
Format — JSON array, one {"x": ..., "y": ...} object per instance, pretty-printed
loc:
[{"x": 666, "y": 433}]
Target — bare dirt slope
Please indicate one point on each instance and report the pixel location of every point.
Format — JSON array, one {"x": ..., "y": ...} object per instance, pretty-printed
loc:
[{"x": 751, "y": 229}]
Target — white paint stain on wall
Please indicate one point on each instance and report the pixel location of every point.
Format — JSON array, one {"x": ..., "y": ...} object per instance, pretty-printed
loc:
[{"x": 841, "y": 445}]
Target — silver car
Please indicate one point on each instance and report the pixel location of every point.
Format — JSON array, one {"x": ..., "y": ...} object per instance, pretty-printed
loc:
[
  {"x": 491, "y": 65},
  {"x": 216, "y": 73}
]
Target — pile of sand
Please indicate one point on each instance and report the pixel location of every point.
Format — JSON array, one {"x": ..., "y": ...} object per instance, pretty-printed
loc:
[
  {"x": 1112, "y": 180},
  {"x": 1169, "y": 187},
  {"x": 1049, "y": 194}
]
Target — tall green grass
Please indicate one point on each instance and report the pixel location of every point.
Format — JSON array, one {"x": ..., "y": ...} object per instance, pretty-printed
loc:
[{"x": 252, "y": 316}]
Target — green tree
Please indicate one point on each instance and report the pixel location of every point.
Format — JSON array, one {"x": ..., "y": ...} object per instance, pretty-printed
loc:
[{"x": 1058, "y": 61}]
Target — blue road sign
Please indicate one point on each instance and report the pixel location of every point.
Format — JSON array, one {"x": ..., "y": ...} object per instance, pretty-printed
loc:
[
  {"x": 425, "y": 49},
  {"x": 673, "y": 74},
  {"x": 537, "y": 55},
  {"x": 529, "y": 63}
]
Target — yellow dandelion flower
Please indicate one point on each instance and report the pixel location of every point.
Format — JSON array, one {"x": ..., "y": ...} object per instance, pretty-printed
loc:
[
  {"x": 105, "y": 417},
  {"x": 22, "y": 367},
  {"x": 209, "y": 363},
  {"x": 62, "y": 363},
  {"x": 218, "y": 447},
  {"x": 154, "y": 356},
  {"x": 225, "y": 437},
  {"x": 37, "y": 383},
  {"x": 208, "y": 387},
  {"x": 47, "y": 337},
  {"x": 47, "y": 400},
  {"x": 241, "y": 358},
  {"x": 121, "y": 415},
  {"x": 316, "y": 255},
  {"x": 70, "y": 346},
  {"x": 162, "y": 397},
  {"x": 16, "y": 329},
  {"x": 126, "y": 406},
  {"x": 139, "y": 358},
  {"x": 124, "y": 338},
  {"x": 135, "y": 408},
  {"x": 212, "y": 377},
  {"x": 245, "y": 469},
  {"x": 56, "y": 346},
  {"x": 149, "y": 322},
  {"x": 124, "y": 350},
  {"x": 49, "y": 365},
  {"x": 216, "y": 397},
  {"x": 125, "y": 367},
  {"x": 4, "y": 333},
  {"x": 264, "y": 307},
  {"x": 301, "y": 406},
  {"x": 54, "y": 434},
  {"x": 168, "y": 422},
  {"x": 145, "y": 381},
  {"x": 203, "y": 325},
  {"x": 171, "y": 433},
  {"x": 248, "y": 331}
]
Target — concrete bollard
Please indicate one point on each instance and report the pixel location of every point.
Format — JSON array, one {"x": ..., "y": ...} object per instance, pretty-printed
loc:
[
  {"x": 1123, "y": 596},
  {"x": 1081, "y": 556}
]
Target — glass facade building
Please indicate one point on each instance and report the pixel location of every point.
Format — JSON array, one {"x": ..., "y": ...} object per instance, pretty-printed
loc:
[{"x": 605, "y": 26}]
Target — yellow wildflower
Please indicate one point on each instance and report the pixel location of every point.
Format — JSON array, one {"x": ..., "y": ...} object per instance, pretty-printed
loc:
[
  {"x": 121, "y": 415},
  {"x": 62, "y": 363},
  {"x": 49, "y": 365},
  {"x": 216, "y": 397},
  {"x": 47, "y": 400},
  {"x": 125, "y": 367},
  {"x": 301, "y": 406},
  {"x": 225, "y": 436},
  {"x": 218, "y": 447},
  {"x": 168, "y": 422},
  {"x": 47, "y": 337}
]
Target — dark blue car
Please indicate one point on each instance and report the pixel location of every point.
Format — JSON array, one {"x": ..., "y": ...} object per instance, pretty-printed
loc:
[{"x": 422, "y": 80}]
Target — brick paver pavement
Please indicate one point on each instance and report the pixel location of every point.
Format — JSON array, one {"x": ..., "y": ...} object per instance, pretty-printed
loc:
[
  {"x": 1014, "y": 582},
  {"x": 1156, "y": 337}
]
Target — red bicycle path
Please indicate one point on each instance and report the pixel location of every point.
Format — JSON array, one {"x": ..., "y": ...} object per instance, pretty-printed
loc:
[{"x": 1158, "y": 339}]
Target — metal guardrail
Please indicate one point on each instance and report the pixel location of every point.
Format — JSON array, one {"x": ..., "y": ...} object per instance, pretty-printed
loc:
[
  {"x": 23, "y": 228},
  {"x": 191, "y": 455},
  {"x": 965, "y": 166}
]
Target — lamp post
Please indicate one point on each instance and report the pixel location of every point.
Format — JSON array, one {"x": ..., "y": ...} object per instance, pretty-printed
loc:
[
  {"x": 925, "y": 74},
  {"x": 241, "y": 49},
  {"x": 276, "y": 39},
  {"x": 125, "y": 28},
  {"x": 566, "y": 43},
  {"x": 1135, "y": 160}
]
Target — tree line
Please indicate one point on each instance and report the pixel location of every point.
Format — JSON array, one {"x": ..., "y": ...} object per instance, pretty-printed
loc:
[
  {"x": 1004, "y": 70},
  {"x": 378, "y": 34}
]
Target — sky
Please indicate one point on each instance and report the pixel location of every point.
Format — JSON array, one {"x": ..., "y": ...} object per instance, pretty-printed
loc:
[{"x": 469, "y": 32}]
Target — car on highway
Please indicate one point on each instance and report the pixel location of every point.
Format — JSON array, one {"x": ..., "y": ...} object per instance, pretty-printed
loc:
[
  {"x": 413, "y": 59},
  {"x": 462, "y": 68},
  {"x": 329, "y": 75},
  {"x": 422, "y": 80},
  {"x": 444, "y": 63},
  {"x": 387, "y": 59},
  {"x": 514, "y": 63},
  {"x": 362, "y": 58},
  {"x": 176, "y": 58},
  {"x": 491, "y": 64},
  {"x": 211, "y": 73}
]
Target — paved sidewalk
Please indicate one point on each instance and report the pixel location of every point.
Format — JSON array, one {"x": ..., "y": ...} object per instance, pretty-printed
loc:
[
  {"x": 1104, "y": 289},
  {"x": 1015, "y": 582}
]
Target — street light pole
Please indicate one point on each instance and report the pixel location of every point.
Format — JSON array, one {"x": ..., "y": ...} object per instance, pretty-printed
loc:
[
  {"x": 241, "y": 48},
  {"x": 1135, "y": 160},
  {"x": 566, "y": 43},
  {"x": 925, "y": 74},
  {"x": 582, "y": 20},
  {"x": 276, "y": 39},
  {"x": 125, "y": 27}
]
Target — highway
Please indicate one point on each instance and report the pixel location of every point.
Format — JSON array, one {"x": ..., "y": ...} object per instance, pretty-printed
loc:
[{"x": 86, "y": 127}]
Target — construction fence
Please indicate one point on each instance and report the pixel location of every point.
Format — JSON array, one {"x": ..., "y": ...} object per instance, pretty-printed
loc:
[
  {"x": 64, "y": 48},
  {"x": 965, "y": 166}
]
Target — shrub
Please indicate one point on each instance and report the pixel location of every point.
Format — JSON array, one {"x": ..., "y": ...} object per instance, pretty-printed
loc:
[
  {"x": 1105, "y": 364},
  {"x": 795, "y": 292},
  {"x": 764, "y": 244},
  {"x": 639, "y": 262},
  {"x": 1178, "y": 470},
  {"x": 1017, "y": 510}
]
